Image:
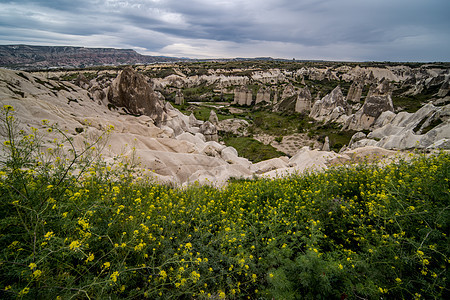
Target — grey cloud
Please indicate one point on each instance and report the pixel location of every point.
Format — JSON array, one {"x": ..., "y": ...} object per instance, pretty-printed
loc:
[{"x": 382, "y": 28}]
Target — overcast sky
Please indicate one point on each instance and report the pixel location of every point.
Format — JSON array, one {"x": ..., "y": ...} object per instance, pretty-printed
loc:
[{"x": 356, "y": 30}]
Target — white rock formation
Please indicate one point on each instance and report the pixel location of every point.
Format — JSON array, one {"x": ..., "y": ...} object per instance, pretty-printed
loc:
[
  {"x": 330, "y": 107},
  {"x": 243, "y": 96},
  {"x": 304, "y": 99}
]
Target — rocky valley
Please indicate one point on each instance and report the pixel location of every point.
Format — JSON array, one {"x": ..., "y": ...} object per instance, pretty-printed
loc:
[{"x": 208, "y": 122}]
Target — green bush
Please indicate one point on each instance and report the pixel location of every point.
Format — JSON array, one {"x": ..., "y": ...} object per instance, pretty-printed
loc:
[{"x": 72, "y": 226}]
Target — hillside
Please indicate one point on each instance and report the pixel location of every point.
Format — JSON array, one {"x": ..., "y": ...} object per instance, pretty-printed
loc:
[{"x": 48, "y": 57}]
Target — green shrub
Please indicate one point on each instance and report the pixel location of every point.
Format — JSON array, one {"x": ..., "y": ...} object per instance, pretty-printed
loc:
[{"x": 72, "y": 226}]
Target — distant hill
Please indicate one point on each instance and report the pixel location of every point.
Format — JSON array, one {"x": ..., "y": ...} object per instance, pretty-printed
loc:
[{"x": 44, "y": 57}]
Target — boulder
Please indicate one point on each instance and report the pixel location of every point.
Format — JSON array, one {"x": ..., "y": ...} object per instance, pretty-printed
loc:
[
  {"x": 356, "y": 137},
  {"x": 269, "y": 165},
  {"x": 230, "y": 155},
  {"x": 193, "y": 122},
  {"x": 131, "y": 91},
  {"x": 194, "y": 139}
]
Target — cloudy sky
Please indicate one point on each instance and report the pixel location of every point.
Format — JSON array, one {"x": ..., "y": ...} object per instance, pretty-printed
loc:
[{"x": 356, "y": 30}]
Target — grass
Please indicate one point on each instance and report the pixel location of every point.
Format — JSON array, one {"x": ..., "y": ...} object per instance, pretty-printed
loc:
[
  {"x": 412, "y": 103},
  {"x": 73, "y": 226},
  {"x": 250, "y": 148},
  {"x": 272, "y": 123},
  {"x": 338, "y": 138},
  {"x": 201, "y": 112}
]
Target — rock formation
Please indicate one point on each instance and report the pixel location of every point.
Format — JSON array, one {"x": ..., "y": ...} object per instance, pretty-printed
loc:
[
  {"x": 330, "y": 107},
  {"x": 243, "y": 96},
  {"x": 411, "y": 130},
  {"x": 131, "y": 91},
  {"x": 377, "y": 101},
  {"x": 209, "y": 131},
  {"x": 263, "y": 95},
  {"x": 213, "y": 118},
  {"x": 326, "y": 144},
  {"x": 355, "y": 92},
  {"x": 304, "y": 99},
  {"x": 179, "y": 97}
]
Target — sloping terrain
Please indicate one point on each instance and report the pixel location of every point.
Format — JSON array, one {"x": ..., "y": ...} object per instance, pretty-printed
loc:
[{"x": 175, "y": 147}]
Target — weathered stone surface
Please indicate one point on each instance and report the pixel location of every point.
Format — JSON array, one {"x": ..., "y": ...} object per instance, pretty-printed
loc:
[
  {"x": 235, "y": 126},
  {"x": 445, "y": 88},
  {"x": 209, "y": 131},
  {"x": 326, "y": 145},
  {"x": 355, "y": 91},
  {"x": 131, "y": 90},
  {"x": 323, "y": 108},
  {"x": 263, "y": 95},
  {"x": 408, "y": 131},
  {"x": 373, "y": 107},
  {"x": 213, "y": 117},
  {"x": 179, "y": 97},
  {"x": 270, "y": 165},
  {"x": 304, "y": 100},
  {"x": 377, "y": 102},
  {"x": 243, "y": 96}
]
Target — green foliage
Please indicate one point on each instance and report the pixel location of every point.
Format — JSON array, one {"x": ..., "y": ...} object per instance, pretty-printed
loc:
[
  {"x": 72, "y": 226},
  {"x": 160, "y": 73},
  {"x": 338, "y": 138},
  {"x": 412, "y": 103},
  {"x": 253, "y": 150},
  {"x": 274, "y": 123}
]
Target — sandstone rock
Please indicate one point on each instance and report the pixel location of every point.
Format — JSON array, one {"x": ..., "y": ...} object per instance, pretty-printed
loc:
[
  {"x": 440, "y": 144},
  {"x": 235, "y": 126},
  {"x": 82, "y": 82},
  {"x": 356, "y": 137},
  {"x": 219, "y": 176},
  {"x": 209, "y": 131},
  {"x": 289, "y": 91},
  {"x": 230, "y": 155},
  {"x": 193, "y": 121},
  {"x": 369, "y": 154},
  {"x": 326, "y": 145},
  {"x": 323, "y": 108},
  {"x": 263, "y": 95},
  {"x": 209, "y": 150},
  {"x": 355, "y": 92},
  {"x": 243, "y": 96},
  {"x": 179, "y": 97},
  {"x": 131, "y": 90},
  {"x": 194, "y": 139},
  {"x": 444, "y": 89},
  {"x": 304, "y": 99},
  {"x": 385, "y": 118},
  {"x": 213, "y": 118},
  {"x": 382, "y": 89},
  {"x": 269, "y": 165},
  {"x": 367, "y": 116}
]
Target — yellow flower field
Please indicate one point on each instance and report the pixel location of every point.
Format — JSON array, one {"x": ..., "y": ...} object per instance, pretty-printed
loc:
[{"x": 103, "y": 232}]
